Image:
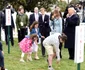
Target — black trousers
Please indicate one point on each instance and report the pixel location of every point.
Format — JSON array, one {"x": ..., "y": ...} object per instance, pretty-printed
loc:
[
  {"x": 60, "y": 47},
  {"x": 42, "y": 47},
  {"x": 21, "y": 33},
  {"x": 71, "y": 53},
  {"x": 0, "y": 33},
  {"x": 1, "y": 59},
  {"x": 11, "y": 35}
]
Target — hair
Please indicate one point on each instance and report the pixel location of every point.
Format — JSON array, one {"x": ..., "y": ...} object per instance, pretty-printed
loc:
[
  {"x": 72, "y": 8},
  {"x": 20, "y": 7},
  {"x": 33, "y": 36},
  {"x": 42, "y": 9},
  {"x": 33, "y": 25},
  {"x": 36, "y": 8},
  {"x": 57, "y": 13},
  {"x": 64, "y": 37}
]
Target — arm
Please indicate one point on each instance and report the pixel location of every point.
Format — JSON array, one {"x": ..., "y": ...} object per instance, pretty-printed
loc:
[
  {"x": 1, "y": 46},
  {"x": 30, "y": 20},
  {"x": 17, "y": 21},
  {"x": 60, "y": 20},
  {"x": 73, "y": 21},
  {"x": 27, "y": 23}
]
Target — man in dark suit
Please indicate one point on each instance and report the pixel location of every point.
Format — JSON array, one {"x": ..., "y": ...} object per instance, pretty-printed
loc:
[
  {"x": 34, "y": 16},
  {"x": 44, "y": 27},
  {"x": 72, "y": 21},
  {"x": 1, "y": 22},
  {"x": 5, "y": 28}
]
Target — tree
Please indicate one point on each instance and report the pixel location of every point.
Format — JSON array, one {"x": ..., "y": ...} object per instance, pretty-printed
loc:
[
  {"x": 29, "y": 4},
  {"x": 62, "y": 5}
]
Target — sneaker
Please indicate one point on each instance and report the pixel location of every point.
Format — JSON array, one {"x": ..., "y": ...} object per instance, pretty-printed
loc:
[
  {"x": 36, "y": 57},
  {"x": 6, "y": 69},
  {"x": 50, "y": 68},
  {"x": 29, "y": 58},
  {"x": 22, "y": 60}
]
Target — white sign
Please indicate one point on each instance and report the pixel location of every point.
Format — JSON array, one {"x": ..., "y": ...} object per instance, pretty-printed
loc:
[
  {"x": 8, "y": 17},
  {"x": 83, "y": 24},
  {"x": 79, "y": 44}
]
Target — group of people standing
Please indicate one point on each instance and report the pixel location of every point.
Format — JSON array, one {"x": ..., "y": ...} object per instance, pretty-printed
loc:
[{"x": 46, "y": 27}]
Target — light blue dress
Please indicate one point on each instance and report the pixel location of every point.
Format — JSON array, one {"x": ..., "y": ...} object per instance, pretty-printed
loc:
[{"x": 56, "y": 25}]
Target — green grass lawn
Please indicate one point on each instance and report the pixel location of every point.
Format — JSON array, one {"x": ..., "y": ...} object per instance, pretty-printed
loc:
[{"x": 12, "y": 60}]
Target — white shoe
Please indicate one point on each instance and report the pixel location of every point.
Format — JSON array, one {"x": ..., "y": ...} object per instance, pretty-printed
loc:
[
  {"x": 22, "y": 60},
  {"x": 50, "y": 68},
  {"x": 6, "y": 69},
  {"x": 29, "y": 58},
  {"x": 36, "y": 57}
]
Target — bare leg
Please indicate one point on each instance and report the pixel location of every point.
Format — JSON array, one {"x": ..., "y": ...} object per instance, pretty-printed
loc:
[
  {"x": 22, "y": 57},
  {"x": 0, "y": 68},
  {"x": 29, "y": 57},
  {"x": 50, "y": 57}
]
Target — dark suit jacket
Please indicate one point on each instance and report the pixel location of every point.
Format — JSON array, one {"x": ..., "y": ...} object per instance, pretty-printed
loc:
[
  {"x": 70, "y": 25},
  {"x": 44, "y": 26},
  {"x": 1, "y": 18},
  {"x": 32, "y": 19}
]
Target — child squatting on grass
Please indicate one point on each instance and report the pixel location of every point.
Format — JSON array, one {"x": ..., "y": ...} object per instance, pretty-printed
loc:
[
  {"x": 26, "y": 46},
  {"x": 51, "y": 44}
]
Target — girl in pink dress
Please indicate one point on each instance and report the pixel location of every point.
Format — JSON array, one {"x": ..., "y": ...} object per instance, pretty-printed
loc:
[{"x": 26, "y": 46}]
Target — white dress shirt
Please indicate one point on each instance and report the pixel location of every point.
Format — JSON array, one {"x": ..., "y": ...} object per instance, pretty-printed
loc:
[{"x": 36, "y": 16}]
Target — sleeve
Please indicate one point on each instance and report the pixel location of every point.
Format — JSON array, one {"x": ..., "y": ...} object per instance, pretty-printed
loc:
[
  {"x": 60, "y": 25},
  {"x": 30, "y": 20},
  {"x": 12, "y": 22},
  {"x": 57, "y": 50},
  {"x": 75, "y": 20},
  {"x": 27, "y": 21},
  {"x": 17, "y": 22}
]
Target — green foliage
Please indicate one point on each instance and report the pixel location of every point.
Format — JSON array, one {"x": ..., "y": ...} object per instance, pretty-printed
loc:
[
  {"x": 62, "y": 5},
  {"x": 74, "y": 1},
  {"x": 30, "y": 4}
]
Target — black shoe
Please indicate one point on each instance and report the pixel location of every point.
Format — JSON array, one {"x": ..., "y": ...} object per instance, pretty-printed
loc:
[
  {"x": 71, "y": 58},
  {"x": 43, "y": 56}
]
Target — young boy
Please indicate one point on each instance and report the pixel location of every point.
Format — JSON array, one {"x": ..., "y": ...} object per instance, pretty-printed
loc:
[{"x": 51, "y": 44}]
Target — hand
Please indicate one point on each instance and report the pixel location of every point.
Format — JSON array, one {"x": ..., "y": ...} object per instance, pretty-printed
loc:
[
  {"x": 2, "y": 52},
  {"x": 67, "y": 15},
  {"x": 42, "y": 37},
  {"x": 58, "y": 61},
  {"x": 52, "y": 17}
]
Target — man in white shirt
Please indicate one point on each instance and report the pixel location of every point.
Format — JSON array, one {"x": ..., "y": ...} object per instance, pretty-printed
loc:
[
  {"x": 51, "y": 44},
  {"x": 34, "y": 17}
]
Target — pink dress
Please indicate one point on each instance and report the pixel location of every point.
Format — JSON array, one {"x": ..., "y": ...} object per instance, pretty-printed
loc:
[{"x": 25, "y": 45}]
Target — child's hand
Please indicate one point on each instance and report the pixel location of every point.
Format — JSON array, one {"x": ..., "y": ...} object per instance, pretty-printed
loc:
[
  {"x": 58, "y": 61},
  {"x": 2, "y": 52},
  {"x": 42, "y": 37}
]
